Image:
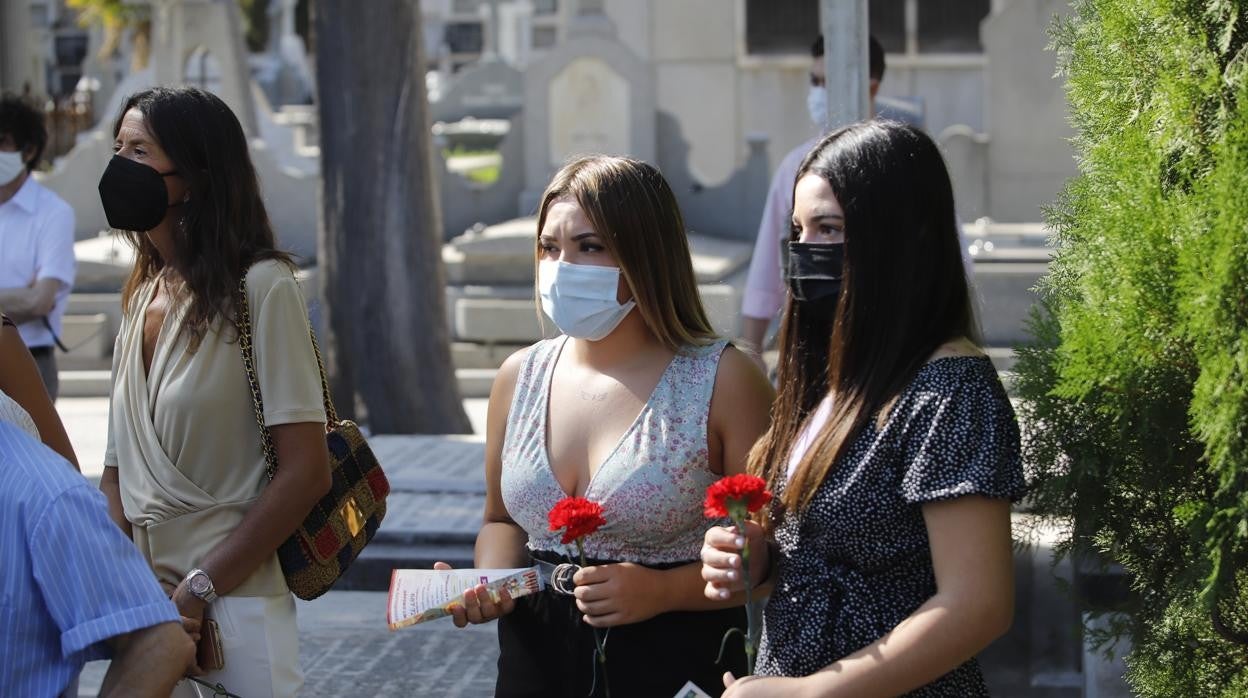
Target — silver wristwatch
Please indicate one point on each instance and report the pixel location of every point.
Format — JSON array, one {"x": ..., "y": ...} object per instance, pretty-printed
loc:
[{"x": 199, "y": 584}]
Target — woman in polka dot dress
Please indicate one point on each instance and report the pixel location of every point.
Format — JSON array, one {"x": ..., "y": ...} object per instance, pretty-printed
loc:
[{"x": 893, "y": 452}]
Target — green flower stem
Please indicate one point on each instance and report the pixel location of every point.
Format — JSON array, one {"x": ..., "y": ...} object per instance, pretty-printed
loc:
[
  {"x": 602, "y": 649},
  {"x": 738, "y": 513}
]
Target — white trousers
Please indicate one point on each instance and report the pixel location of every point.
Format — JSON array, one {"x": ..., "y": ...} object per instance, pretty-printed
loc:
[{"x": 260, "y": 641}]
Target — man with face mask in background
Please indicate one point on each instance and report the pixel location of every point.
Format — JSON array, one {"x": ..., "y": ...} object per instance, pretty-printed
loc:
[
  {"x": 765, "y": 287},
  {"x": 36, "y": 238}
]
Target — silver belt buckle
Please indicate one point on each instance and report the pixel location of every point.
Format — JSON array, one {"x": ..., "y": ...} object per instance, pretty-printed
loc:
[{"x": 561, "y": 578}]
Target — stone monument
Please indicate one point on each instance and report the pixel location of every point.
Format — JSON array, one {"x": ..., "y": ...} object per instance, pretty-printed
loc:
[
  {"x": 589, "y": 94},
  {"x": 1018, "y": 166},
  {"x": 488, "y": 89},
  {"x": 287, "y": 77}
]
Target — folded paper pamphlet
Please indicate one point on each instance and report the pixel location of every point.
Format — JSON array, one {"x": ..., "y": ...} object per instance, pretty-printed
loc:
[
  {"x": 691, "y": 690},
  {"x": 420, "y": 595}
]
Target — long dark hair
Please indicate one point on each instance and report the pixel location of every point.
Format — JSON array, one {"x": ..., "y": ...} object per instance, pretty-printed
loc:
[
  {"x": 904, "y": 293},
  {"x": 224, "y": 227}
]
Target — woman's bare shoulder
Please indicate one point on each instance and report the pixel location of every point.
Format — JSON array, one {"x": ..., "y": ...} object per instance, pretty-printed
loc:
[
  {"x": 739, "y": 384},
  {"x": 959, "y": 346}
]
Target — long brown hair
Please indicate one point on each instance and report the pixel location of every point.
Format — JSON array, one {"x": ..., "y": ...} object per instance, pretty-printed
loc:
[
  {"x": 224, "y": 227},
  {"x": 636, "y": 216},
  {"x": 903, "y": 293}
]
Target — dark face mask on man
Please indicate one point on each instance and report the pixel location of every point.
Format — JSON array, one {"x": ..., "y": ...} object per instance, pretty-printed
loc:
[
  {"x": 814, "y": 271},
  {"x": 134, "y": 195}
]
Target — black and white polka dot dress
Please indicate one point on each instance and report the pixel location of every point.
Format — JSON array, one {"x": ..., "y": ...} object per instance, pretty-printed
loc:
[{"x": 857, "y": 562}]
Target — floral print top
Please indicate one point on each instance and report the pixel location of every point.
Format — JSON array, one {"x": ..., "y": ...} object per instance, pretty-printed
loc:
[{"x": 652, "y": 484}]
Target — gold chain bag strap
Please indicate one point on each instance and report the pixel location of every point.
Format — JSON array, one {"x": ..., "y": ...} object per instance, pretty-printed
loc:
[{"x": 348, "y": 516}]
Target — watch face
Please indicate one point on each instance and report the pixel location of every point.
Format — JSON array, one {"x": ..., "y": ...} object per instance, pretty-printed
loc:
[{"x": 199, "y": 584}]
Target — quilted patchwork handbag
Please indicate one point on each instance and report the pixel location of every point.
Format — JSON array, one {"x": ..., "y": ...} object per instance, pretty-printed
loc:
[{"x": 339, "y": 526}]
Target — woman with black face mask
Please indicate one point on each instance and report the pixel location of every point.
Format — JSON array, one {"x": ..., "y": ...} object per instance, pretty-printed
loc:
[
  {"x": 893, "y": 451},
  {"x": 185, "y": 467}
]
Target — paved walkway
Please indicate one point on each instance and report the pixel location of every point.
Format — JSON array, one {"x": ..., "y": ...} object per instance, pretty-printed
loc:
[
  {"x": 86, "y": 420},
  {"x": 346, "y": 650}
]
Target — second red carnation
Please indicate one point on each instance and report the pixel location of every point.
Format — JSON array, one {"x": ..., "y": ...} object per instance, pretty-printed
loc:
[{"x": 748, "y": 489}]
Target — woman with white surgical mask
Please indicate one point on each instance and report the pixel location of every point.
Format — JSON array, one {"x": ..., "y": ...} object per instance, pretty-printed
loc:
[{"x": 637, "y": 406}]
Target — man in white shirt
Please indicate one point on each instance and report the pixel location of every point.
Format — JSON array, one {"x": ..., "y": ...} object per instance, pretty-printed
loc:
[{"x": 36, "y": 238}]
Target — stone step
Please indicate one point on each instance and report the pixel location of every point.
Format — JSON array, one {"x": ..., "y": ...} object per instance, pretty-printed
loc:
[
  {"x": 497, "y": 320},
  {"x": 1003, "y": 358},
  {"x": 81, "y": 333},
  {"x": 90, "y": 383},
  {"x": 481, "y": 355},
  {"x": 77, "y": 381},
  {"x": 1004, "y": 298},
  {"x": 372, "y": 570},
  {"x": 475, "y": 382},
  {"x": 1040, "y": 655},
  {"x": 89, "y": 338},
  {"x": 437, "y": 494}
]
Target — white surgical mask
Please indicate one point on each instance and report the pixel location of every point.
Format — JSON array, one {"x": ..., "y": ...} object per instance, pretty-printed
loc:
[
  {"x": 581, "y": 298},
  {"x": 817, "y": 106},
  {"x": 11, "y": 166}
]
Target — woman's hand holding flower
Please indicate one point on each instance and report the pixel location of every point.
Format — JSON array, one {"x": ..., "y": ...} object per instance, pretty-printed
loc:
[
  {"x": 721, "y": 559},
  {"x": 737, "y": 497},
  {"x": 619, "y": 593}
]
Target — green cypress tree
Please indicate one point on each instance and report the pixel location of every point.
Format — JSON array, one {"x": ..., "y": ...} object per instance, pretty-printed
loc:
[{"x": 1136, "y": 388}]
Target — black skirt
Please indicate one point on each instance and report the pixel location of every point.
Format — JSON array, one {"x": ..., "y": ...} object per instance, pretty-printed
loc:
[{"x": 545, "y": 649}]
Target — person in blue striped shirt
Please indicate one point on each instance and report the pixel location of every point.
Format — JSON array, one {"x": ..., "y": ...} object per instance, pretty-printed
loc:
[{"x": 73, "y": 588}]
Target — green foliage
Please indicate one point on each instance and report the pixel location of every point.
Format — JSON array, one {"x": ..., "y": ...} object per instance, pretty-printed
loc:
[
  {"x": 117, "y": 15},
  {"x": 111, "y": 14},
  {"x": 118, "y": 19},
  {"x": 1136, "y": 386},
  {"x": 484, "y": 175}
]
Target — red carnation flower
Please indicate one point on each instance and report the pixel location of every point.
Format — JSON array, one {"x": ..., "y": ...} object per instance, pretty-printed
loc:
[
  {"x": 734, "y": 491},
  {"x": 736, "y": 497},
  {"x": 577, "y": 516}
]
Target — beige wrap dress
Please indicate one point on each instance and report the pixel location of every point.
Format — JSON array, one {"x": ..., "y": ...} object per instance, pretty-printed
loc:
[{"x": 184, "y": 438}]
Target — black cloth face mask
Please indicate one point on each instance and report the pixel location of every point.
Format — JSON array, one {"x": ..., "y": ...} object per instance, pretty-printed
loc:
[
  {"x": 134, "y": 195},
  {"x": 814, "y": 271}
]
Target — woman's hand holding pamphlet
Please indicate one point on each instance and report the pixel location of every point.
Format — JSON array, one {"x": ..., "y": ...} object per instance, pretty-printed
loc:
[{"x": 420, "y": 595}]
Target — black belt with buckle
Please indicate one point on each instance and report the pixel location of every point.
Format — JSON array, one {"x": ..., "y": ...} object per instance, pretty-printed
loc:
[
  {"x": 557, "y": 570},
  {"x": 557, "y": 576}
]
